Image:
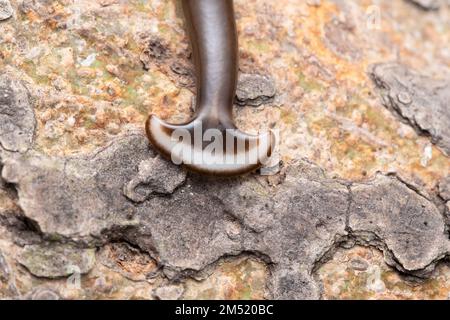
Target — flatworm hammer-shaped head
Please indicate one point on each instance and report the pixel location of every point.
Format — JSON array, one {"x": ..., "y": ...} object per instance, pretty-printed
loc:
[{"x": 210, "y": 150}]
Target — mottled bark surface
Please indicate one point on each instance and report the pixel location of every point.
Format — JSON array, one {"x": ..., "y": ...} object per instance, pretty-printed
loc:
[{"x": 359, "y": 207}]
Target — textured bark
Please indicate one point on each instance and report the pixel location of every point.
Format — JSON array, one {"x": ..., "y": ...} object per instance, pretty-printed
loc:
[{"x": 89, "y": 210}]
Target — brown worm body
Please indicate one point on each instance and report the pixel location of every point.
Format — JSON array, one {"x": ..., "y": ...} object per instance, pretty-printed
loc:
[{"x": 212, "y": 31}]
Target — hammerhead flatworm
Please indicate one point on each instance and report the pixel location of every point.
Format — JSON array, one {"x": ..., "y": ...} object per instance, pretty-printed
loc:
[{"x": 211, "y": 27}]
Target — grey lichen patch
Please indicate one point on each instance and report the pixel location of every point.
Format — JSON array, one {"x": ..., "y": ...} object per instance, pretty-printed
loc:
[
  {"x": 6, "y": 10},
  {"x": 56, "y": 260},
  {"x": 409, "y": 226},
  {"x": 17, "y": 120},
  {"x": 421, "y": 101},
  {"x": 187, "y": 229},
  {"x": 78, "y": 197},
  {"x": 155, "y": 175},
  {"x": 254, "y": 90}
]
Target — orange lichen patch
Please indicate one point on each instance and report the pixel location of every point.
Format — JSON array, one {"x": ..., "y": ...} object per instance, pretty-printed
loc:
[
  {"x": 360, "y": 273},
  {"x": 233, "y": 280}
]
